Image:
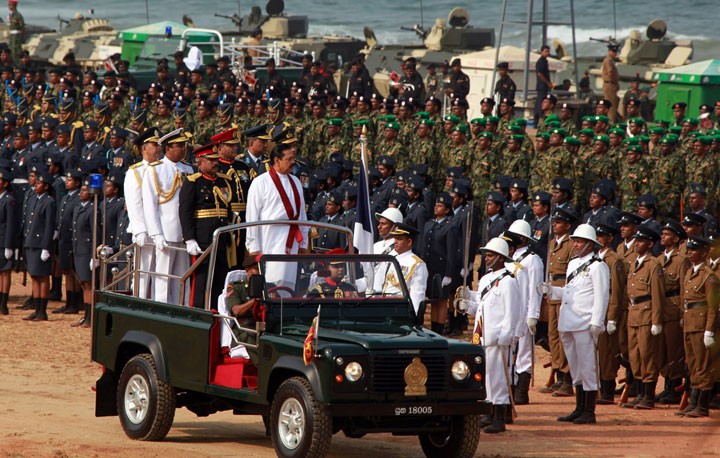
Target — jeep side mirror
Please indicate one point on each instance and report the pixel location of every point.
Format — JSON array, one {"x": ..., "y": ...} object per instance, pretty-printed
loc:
[{"x": 256, "y": 286}]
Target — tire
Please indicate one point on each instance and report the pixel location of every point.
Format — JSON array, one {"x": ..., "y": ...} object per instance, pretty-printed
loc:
[
  {"x": 139, "y": 384},
  {"x": 311, "y": 431},
  {"x": 460, "y": 442}
]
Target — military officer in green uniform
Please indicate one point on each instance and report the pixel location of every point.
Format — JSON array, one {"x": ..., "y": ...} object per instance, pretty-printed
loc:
[
  {"x": 422, "y": 150},
  {"x": 702, "y": 168},
  {"x": 515, "y": 162},
  {"x": 556, "y": 162},
  {"x": 486, "y": 165},
  {"x": 599, "y": 165},
  {"x": 668, "y": 180},
  {"x": 334, "y": 140},
  {"x": 333, "y": 286},
  {"x": 392, "y": 146},
  {"x": 457, "y": 153},
  {"x": 16, "y": 23},
  {"x": 241, "y": 306},
  {"x": 163, "y": 120},
  {"x": 634, "y": 178},
  {"x": 205, "y": 124}
]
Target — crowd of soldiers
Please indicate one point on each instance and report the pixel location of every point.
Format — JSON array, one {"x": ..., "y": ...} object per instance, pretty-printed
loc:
[{"x": 198, "y": 138}]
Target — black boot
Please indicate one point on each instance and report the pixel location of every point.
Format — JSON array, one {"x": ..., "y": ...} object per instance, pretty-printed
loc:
[
  {"x": 522, "y": 390},
  {"x": 588, "y": 414},
  {"x": 68, "y": 301},
  {"x": 508, "y": 414},
  {"x": 673, "y": 396},
  {"x": 74, "y": 303},
  {"x": 36, "y": 306},
  {"x": 454, "y": 326},
  {"x": 640, "y": 390},
  {"x": 29, "y": 304},
  {"x": 437, "y": 327},
  {"x": 634, "y": 385},
  {"x": 692, "y": 404},
  {"x": 56, "y": 289},
  {"x": 714, "y": 400},
  {"x": 85, "y": 320},
  {"x": 607, "y": 392},
  {"x": 648, "y": 400},
  {"x": 41, "y": 310},
  {"x": 3, "y": 304},
  {"x": 703, "y": 406},
  {"x": 579, "y": 405},
  {"x": 666, "y": 390},
  {"x": 498, "y": 424},
  {"x": 486, "y": 420}
]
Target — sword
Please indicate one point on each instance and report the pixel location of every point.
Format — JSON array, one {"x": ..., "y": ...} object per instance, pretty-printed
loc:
[
  {"x": 462, "y": 294},
  {"x": 507, "y": 380}
]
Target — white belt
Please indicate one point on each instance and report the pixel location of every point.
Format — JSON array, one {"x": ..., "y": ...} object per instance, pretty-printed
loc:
[
  {"x": 15, "y": 32},
  {"x": 20, "y": 181}
]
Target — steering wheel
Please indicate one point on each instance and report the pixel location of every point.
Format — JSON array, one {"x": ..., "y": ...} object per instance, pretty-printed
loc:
[{"x": 275, "y": 289}]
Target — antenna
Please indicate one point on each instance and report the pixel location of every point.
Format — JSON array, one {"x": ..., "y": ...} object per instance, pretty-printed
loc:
[
  {"x": 614, "y": 22},
  {"x": 422, "y": 21}
]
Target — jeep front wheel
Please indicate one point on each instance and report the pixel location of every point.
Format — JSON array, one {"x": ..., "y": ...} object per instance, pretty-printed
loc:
[
  {"x": 300, "y": 425},
  {"x": 146, "y": 405},
  {"x": 460, "y": 441}
]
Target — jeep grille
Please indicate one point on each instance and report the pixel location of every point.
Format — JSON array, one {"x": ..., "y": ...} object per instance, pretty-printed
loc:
[{"x": 388, "y": 372}]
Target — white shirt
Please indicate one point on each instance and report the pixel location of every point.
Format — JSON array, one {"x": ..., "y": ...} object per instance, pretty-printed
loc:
[
  {"x": 500, "y": 309},
  {"x": 415, "y": 272},
  {"x": 585, "y": 298},
  {"x": 162, "y": 178},
  {"x": 384, "y": 246},
  {"x": 533, "y": 268},
  {"x": 132, "y": 188}
]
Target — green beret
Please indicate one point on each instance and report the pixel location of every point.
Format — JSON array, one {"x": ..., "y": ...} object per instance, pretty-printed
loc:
[
  {"x": 361, "y": 122},
  {"x": 543, "y": 135},
  {"x": 638, "y": 121},
  {"x": 452, "y": 118},
  {"x": 589, "y": 118},
  {"x": 662, "y": 122},
  {"x": 478, "y": 121},
  {"x": 560, "y": 131},
  {"x": 488, "y": 135},
  {"x": 422, "y": 114},
  {"x": 643, "y": 139},
  {"x": 426, "y": 122},
  {"x": 635, "y": 148},
  {"x": 669, "y": 139},
  {"x": 617, "y": 131},
  {"x": 492, "y": 119},
  {"x": 631, "y": 141},
  {"x": 621, "y": 125},
  {"x": 552, "y": 124},
  {"x": 460, "y": 128},
  {"x": 602, "y": 118},
  {"x": 675, "y": 130},
  {"x": 517, "y": 137},
  {"x": 602, "y": 138},
  {"x": 334, "y": 122},
  {"x": 587, "y": 132},
  {"x": 519, "y": 122},
  {"x": 514, "y": 129},
  {"x": 392, "y": 125},
  {"x": 572, "y": 141},
  {"x": 657, "y": 131},
  {"x": 387, "y": 117},
  {"x": 692, "y": 121},
  {"x": 704, "y": 139},
  {"x": 552, "y": 117},
  {"x": 694, "y": 134}
]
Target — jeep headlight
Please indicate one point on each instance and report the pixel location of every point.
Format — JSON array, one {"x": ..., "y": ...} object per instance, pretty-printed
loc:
[
  {"x": 460, "y": 370},
  {"x": 353, "y": 371}
]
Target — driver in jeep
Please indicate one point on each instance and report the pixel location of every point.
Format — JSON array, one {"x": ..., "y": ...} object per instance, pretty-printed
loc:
[
  {"x": 333, "y": 286},
  {"x": 241, "y": 306}
]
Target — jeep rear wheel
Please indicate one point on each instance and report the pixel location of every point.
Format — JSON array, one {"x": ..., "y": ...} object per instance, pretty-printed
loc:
[
  {"x": 300, "y": 425},
  {"x": 460, "y": 442},
  {"x": 146, "y": 405}
]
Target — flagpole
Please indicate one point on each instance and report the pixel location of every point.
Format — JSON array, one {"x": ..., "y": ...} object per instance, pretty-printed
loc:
[{"x": 317, "y": 329}]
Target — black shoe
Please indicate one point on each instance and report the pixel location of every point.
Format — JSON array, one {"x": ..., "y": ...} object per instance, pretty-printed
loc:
[
  {"x": 703, "y": 407},
  {"x": 498, "y": 424},
  {"x": 27, "y": 305},
  {"x": 71, "y": 310},
  {"x": 588, "y": 414},
  {"x": 692, "y": 403},
  {"x": 579, "y": 406},
  {"x": 648, "y": 400},
  {"x": 607, "y": 392},
  {"x": 55, "y": 296},
  {"x": 41, "y": 310},
  {"x": 486, "y": 420},
  {"x": 36, "y": 306},
  {"x": 673, "y": 396},
  {"x": 85, "y": 320},
  {"x": 3, "y": 304}
]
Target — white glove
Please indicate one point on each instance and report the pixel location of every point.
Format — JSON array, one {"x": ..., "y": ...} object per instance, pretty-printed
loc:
[
  {"x": 94, "y": 263},
  {"x": 107, "y": 250},
  {"x": 681, "y": 323},
  {"x": 611, "y": 327},
  {"x": 532, "y": 325},
  {"x": 545, "y": 288},
  {"x": 656, "y": 329},
  {"x": 9, "y": 253},
  {"x": 708, "y": 339},
  {"x": 446, "y": 281},
  {"x": 595, "y": 332},
  {"x": 159, "y": 241},
  {"x": 56, "y": 235},
  {"x": 192, "y": 248},
  {"x": 45, "y": 255},
  {"x": 141, "y": 239}
]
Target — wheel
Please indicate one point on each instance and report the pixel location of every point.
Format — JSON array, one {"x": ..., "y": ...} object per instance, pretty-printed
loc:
[
  {"x": 273, "y": 291},
  {"x": 460, "y": 442},
  {"x": 300, "y": 425},
  {"x": 146, "y": 405}
]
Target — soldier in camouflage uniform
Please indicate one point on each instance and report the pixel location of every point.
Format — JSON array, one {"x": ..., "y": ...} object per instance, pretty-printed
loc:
[
  {"x": 654, "y": 149},
  {"x": 491, "y": 125},
  {"x": 506, "y": 109},
  {"x": 634, "y": 178},
  {"x": 422, "y": 148},
  {"x": 457, "y": 154},
  {"x": 586, "y": 137},
  {"x": 599, "y": 165},
  {"x": 556, "y": 162},
  {"x": 355, "y": 147},
  {"x": 515, "y": 162},
  {"x": 572, "y": 145},
  {"x": 449, "y": 123},
  {"x": 163, "y": 121},
  {"x": 669, "y": 177},
  {"x": 16, "y": 24},
  {"x": 566, "y": 119},
  {"x": 334, "y": 140},
  {"x": 702, "y": 169},
  {"x": 204, "y": 127},
  {"x": 615, "y": 149},
  {"x": 392, "y": 146},
  {"x": 315, "y": 133},
  {"x": 486, "y": 165}
]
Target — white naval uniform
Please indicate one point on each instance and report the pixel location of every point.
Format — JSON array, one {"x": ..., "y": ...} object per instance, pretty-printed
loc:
[
  {"x": 162, "y": 217},
  {"x": 376, "y": 278},
  {"x": 500, "y": 309},
  {"x": 264, "y": 204},
  {"x": 133, "y": 200},
  {"x": 584, "y": 303},
  {"x": 415, "y": 272},
  {"x": 529, "y": 283}
]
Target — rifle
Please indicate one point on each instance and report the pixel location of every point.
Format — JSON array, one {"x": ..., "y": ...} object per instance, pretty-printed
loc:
[
  {"x": 551, "y": 378},
  {"x": 237, "y": 20}
]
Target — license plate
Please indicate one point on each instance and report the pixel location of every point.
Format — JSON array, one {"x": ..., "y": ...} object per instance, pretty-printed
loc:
[{"x": 413, "y": 410}]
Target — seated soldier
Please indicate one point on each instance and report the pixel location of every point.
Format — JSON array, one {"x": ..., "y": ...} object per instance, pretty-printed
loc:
[
  {"x": 333, "y": 286},
  {"x": 241, "y": 306}
]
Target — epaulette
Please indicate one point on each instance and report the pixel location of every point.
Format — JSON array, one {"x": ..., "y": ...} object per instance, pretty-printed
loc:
[
  {"x": 135, "y": 165},
  {"x": 186, "y": 163},
  {"x": 194, "y": 176},
  {"x": 107, "y": 129},
  {"x": 78, "y": 124},
  {"x": 222, "y": 175},
  {"x": 156, "y": 163},
  {"x": 417, "y": 258}
]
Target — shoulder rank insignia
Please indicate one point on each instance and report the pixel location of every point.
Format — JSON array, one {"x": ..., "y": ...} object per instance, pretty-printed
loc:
[{"x": 194, "y": 176}]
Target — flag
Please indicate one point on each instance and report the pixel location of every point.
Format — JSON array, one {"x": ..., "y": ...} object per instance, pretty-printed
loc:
[
  {"x": 394, "y": 77},
  {"x": 363, "y": 229},
  {"x": 312, "y": 335}
]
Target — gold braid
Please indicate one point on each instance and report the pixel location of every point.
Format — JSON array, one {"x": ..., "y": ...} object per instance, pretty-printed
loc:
[{"x": 165, "y": 197}]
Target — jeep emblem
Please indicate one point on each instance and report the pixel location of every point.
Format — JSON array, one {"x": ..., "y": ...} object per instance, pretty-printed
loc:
[{"x": 415, "y": 378}]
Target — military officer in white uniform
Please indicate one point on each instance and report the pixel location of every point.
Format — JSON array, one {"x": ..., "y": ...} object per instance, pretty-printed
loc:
[
  {"x": 150, "y": 150},
  {"x": 585, "y": 298},
  {"x": 497, "y": 307},
  {"x": 161, "y": 203},
  {"x": 386, "y": 223},
  {"x": 413, "y": 268},
  {"x": 533, "y": 276}
]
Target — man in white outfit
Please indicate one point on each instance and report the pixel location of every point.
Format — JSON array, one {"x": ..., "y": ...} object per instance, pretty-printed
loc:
[
  {"x": 530, "y": 281},
  {"x": 413, "y": 268},
  {"x": 584, "y": 304},
  {"x": 150, "y": 150},
  {"x": 278, "y": 195},
  {"x": 497, "y": 307},
  {"x": 161, "y": 204}
]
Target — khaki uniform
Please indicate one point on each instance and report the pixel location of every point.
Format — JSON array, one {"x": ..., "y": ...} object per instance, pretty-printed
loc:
[
  {"x": 559, "y": 257},
  {"x": 700, "y": 308},
  {"x": 611, "y": 84},
  {"x": 609, "y": 345},
  {"x": 675, "y": 266},
  {"x": 628, "y": 257},
  {"x": 646, "y": 295}
]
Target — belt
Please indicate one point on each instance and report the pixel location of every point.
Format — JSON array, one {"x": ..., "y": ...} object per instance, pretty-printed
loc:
[
  {"x": 557, "y": 277},
  {"x": 238, "y": 206},
  {"x": 211, "y": 213},
  {"x": 15, "y": 32},
  {"x": 672, "y": 293},
  {"x": 640, "y": 299},
  {"x": 20, "y": 181},
  {"x": 693, "y": 305}
]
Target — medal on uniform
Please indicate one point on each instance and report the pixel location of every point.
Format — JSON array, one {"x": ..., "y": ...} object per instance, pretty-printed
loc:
[
  {"x": 339, "y": 294},
  {"x": 477, "y": 333}
]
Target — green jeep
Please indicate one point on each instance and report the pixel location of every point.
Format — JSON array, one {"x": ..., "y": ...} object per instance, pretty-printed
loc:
[{"x": 367, "y": 365}]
